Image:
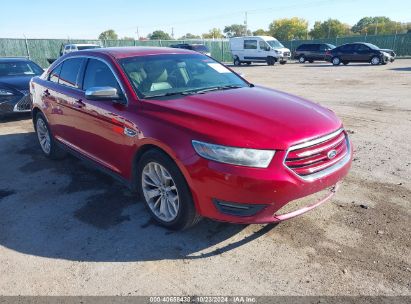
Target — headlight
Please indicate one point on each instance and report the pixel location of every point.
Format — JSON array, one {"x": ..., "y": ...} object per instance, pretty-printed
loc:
[
  {"x": 277, "y": 52},
  {"x": 4, "y": 92},
  {"x": 235, "y": 156}
]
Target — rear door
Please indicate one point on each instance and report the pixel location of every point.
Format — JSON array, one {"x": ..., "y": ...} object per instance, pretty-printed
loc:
[
  {"x": 346, "y": 53},
  {"x": 68, "y": 101}
]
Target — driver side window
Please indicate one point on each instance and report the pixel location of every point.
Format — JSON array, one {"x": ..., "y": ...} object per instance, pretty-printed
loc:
[
  {"x": 263, "y": 45},
  {"x": 98, "y": 74}
]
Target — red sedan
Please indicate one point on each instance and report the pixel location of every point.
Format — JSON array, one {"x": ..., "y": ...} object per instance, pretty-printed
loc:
[{"x": 190, "y": 135}]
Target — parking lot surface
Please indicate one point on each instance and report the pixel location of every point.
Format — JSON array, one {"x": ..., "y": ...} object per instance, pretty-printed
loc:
[{"x": 66, "y": 229}]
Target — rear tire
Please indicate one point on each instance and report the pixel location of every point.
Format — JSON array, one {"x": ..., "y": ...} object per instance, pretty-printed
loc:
[
  {"x": 375, "y": 60},
  {"x": 336, "y": 61},
  {"x": 248, "y": 62},
  {"x": 237, "y": 61},
  {"x": 345, "y": 62},
  {"x": 46, "y": 140},
  {"x": 310, "y": 61},
  {"x": 165, "y": 191}
]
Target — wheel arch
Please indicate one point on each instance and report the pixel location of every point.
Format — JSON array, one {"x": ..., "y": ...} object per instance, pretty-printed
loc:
[{"x": 167, "y": 151}]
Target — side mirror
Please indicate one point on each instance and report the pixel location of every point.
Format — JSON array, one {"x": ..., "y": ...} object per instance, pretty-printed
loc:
[
  {"x": 268, "y": 48},
  {"x": 102, "y": 93}
]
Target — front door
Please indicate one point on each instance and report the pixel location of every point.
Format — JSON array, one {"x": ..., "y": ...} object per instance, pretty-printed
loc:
[{"x": 101, "y": 125}]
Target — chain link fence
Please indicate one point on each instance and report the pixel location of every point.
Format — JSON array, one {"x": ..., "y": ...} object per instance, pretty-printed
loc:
[{"x": 39, "y": 50}]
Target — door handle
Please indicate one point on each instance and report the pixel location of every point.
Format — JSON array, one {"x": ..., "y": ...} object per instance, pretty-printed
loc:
[
  {"x": 46, "y": 93},
  {"x": 79, "y": 103}
]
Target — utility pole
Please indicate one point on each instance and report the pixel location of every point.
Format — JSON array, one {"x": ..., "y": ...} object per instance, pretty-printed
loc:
[
  {"x": 172, "y": 32},
  {"x": 376, "y": 28},
  {"x": 246, "y": 23},
  {"x": 138, "y": 34}
]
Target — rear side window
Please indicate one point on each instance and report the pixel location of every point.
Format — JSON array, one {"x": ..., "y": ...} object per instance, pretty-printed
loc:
[
  {"x": 361, "y": 47},
  {"x": 98, "y": 74},
  {"x": 347, "y": 47},
  {"x": 55, "y": 74},
  {"x": 250, "y": 44},
  {"x": 302, "y": 47},
  {"x": 70, "y": 72}
]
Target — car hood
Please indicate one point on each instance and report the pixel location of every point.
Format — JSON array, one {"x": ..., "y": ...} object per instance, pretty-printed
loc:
[
  {"x": 253, "y": 117},
  {"x": 17, "y": 82},
  {"x": 282, "y": 49}
]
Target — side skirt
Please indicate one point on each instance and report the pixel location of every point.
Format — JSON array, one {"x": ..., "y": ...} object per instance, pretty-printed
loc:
[{"x": 96, "y": 165}]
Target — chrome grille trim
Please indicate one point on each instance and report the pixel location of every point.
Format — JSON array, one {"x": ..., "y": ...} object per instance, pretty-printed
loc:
[
  {"x": 326, "y": 171},
  {"x": 23, "y": 105}
]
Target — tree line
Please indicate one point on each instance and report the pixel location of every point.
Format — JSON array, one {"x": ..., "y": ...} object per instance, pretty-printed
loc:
[{"x": 289, "y": 29}]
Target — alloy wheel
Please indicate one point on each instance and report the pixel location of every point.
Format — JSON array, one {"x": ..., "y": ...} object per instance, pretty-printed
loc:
[
  {"x": 43, "y": 135},
  {"x": 160, "y": 192},
  {"x": 375, "y": 60}
]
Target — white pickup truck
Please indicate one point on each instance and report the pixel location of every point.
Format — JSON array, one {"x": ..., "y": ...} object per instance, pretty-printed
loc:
[{"x": 258, "y": 49}]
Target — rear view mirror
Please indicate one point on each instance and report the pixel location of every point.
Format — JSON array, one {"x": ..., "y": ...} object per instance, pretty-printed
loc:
[{"x": 102, "y": 93}]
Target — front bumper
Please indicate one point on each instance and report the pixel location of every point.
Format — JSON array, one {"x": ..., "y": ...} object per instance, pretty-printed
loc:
[
  {"x": 284, "y": 58},
  {"x": 269, "y": 189}
]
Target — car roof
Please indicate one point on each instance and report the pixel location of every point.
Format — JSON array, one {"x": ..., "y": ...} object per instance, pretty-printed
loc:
[
  {"x": 125, "y": 52},
  {"x": 14, "y": 59},
  {"x": 82, "y": 44}
]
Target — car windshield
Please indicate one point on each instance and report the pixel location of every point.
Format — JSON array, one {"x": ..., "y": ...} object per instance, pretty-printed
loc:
[
  {"x": 87, "y": 47},
  {"x": 275, "y": 44},
  {"x": 372, "y": 46},
  {"x": 174, "y": 74},
  {"x": 19, "y": 68},
  {"x": 331, "y": 46},
  {"x": 200, "y": 48}
]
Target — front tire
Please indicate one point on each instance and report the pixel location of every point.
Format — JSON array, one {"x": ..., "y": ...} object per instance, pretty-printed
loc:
[
  {"x": 165, "y": 191},
  {"x": 270, "y": 61},
  {"x": 375, "y": 60},
  {"x": 301, "y": 59},
  {"x": 336, "y": 61},
  {"x": 46, "y": 140}
]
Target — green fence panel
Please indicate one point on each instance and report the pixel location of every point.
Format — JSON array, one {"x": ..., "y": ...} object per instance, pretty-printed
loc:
[{"x": 40, "y": 50}]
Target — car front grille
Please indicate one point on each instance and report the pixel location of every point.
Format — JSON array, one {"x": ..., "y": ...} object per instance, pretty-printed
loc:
[
  {"x": 287, "y": 54},
  {"x": 315, "y": 156},
  {"x": 23, "y": 105}
]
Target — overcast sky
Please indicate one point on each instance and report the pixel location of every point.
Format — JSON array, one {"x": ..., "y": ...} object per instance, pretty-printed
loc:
[{"x": 88, "y": 18}]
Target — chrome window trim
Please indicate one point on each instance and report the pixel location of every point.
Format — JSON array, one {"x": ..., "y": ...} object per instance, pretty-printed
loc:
[
  {"x": 91, "y": 57},
  {"x": 327, "y": 171}
]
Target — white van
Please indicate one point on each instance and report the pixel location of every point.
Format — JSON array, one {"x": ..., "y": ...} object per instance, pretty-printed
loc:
[
  {"x": 258, "y": 49},
  {"x": 68, "y": 48}
]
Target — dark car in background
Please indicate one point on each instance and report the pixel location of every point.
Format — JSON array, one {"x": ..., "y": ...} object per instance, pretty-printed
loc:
[
  {"x": 312, "y": 51},
  {"x": 359, "y": 52},
  {"x": 200, "y": 48},
  {"x": 15, "y": 76}
]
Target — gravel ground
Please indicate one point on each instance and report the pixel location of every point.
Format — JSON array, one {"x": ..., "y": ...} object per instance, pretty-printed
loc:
[{"x": 66, "y": 229}]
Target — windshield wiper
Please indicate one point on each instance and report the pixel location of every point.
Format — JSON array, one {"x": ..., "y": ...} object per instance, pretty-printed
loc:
[
  {"x": 192, "y": 92},
  {"x": 218, "y": 88},
  {"x": 163, "y": 95}
]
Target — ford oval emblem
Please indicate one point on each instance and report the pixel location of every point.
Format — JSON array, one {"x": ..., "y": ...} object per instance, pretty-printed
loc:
[{"x": 331, "y": 154}]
